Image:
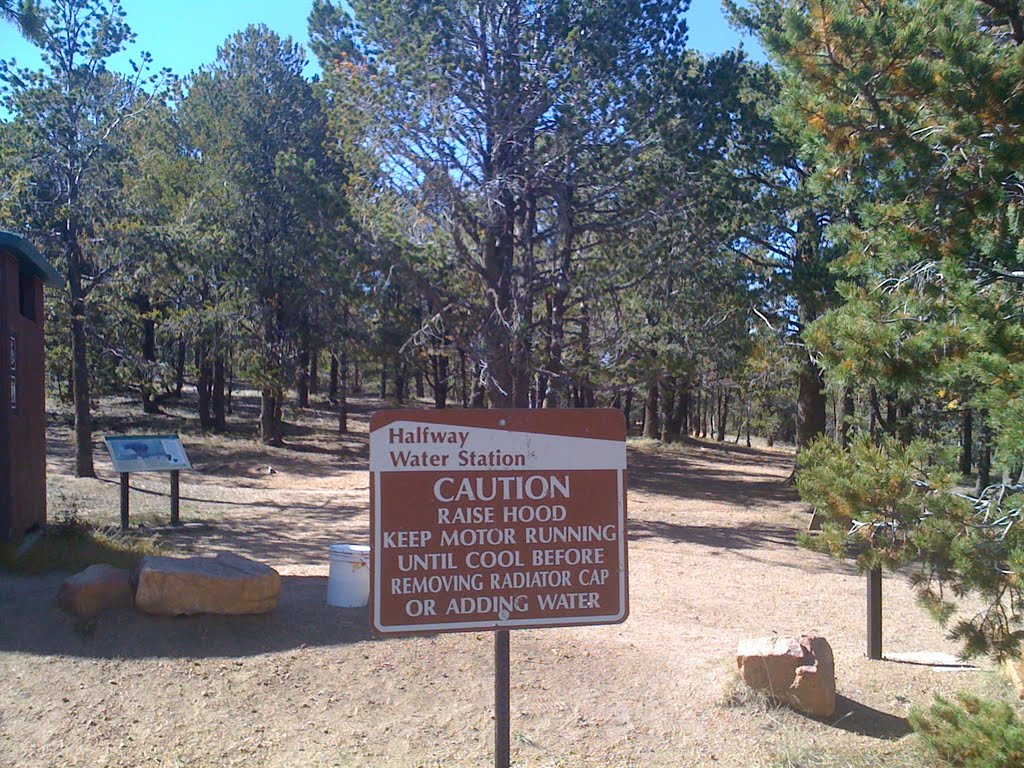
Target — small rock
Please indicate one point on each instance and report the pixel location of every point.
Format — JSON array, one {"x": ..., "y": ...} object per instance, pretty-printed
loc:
[
  {"x": 796, "y": 671},
  {"x": 96, "y": 588},
  {"x": 226, "y": 584}
]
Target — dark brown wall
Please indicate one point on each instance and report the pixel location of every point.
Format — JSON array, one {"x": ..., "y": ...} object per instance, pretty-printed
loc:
[{"x": 22, "y": 430}]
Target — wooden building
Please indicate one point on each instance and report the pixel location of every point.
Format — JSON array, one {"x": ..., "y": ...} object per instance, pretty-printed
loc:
[{"x": 23, "y": 271}]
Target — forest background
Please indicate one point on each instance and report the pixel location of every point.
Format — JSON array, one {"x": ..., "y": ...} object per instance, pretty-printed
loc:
[{"x": 549, "y": 204}]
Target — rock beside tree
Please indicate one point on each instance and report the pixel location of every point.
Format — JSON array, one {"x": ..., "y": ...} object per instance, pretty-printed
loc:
[{"x": 796, "y": 671}]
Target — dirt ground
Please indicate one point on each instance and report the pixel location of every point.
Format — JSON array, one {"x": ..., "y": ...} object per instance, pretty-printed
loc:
[{"x": 713, "y": 559}]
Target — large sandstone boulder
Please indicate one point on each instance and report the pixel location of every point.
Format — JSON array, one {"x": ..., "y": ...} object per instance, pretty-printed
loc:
[
  {"x": 797, "y": 671},
  {"x": 95, "y": 589},
  {"x": 225, "y": 584}
]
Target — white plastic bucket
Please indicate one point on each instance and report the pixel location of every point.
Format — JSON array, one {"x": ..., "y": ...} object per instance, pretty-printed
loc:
[{"x": 349, "y": 583}]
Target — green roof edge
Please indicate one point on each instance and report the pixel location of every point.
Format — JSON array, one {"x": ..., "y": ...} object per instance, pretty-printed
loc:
[{"x": 30, "y": 255}]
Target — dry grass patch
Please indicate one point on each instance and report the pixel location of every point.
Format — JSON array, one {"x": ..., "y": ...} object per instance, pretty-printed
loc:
[{"x": 72, "y": 544}]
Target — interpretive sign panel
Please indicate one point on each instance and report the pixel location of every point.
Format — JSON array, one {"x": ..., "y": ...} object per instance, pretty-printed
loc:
[
  {"x": 497, "y": 519},
  {"x": 147, "y": 453}
]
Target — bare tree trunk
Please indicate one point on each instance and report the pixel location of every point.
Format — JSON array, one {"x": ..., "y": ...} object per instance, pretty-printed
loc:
[
  {"x": 383, "y": 380},
  {"x": 846, "y": 420},
  {"x": 342, "y": 391},
  {"x": 463, "y": 379},
  {"x": 651, "y": 412},
  {"x": 148, "y": 353},
  {"x": 966, "y": 442},
  {"x": 587, "y": 397},
  {"x": 479, "y": 390},
  {"x": 905, "y": 428},
  {"x": 204, "y": 380},
  {"x": 401, "y": 384},
  {"x": 810, "y": 404},
  {"x": 668, "y": 409},
  {"x": 80, "y": 366},
  {"x": 984, "y": 454},
  {"x": 417, "y": 375},
  {"x": 332, "y": 380},
  {"x": 440, "y": 365},
  {"x": 179, "y": 367},
  {"x": 723, "y": 416},
  {"x": 220, "y": 422},
  {"x": 627, "y": 409},
  {"x": 681, "y": 414},
  {"x": 314, "y": 370},
  {"x": 302, "y": 375},
  {"x": 890, "y": 414}
]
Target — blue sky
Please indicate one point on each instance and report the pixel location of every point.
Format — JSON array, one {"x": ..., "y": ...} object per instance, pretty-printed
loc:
[{"x": 184, "y": 34}]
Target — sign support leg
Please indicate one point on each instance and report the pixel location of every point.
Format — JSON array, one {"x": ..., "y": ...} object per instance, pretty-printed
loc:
[
  {"x": 124, "y": 501},
  {"x": 175, "y": 498},
  {"x": 875, "y": 613},
  {"x": 501, "y": 699}
]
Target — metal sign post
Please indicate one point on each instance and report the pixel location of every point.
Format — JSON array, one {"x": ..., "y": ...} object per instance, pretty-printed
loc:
[
  {"x": 497, "y": 520},
  {"x": 148, "y": 453},
  {"x": 502, "y": 704},
  {"x": 875, "y": 613}
]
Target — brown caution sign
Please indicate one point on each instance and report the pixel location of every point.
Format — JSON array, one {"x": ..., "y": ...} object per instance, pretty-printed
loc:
[{"x": 497, "y": 519}]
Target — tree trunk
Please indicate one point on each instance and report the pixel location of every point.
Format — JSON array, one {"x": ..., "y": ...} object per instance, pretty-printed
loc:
[
  {"x": 314, "y": 371},
  {"x": 148, "y": 353},
  {"x": 668, "y": 407},
  {"x": 627, "y": 409},
  {"x": 231, "y": 388},
  {"x": 984, "y": 454},
  {"x": 80, "y": 378},
  {"x": 966, "y": 442},
  {"x": 562, "y": 246},
  {"x": 463, "y": 380},
  {"x": 204, "y": 380},
  {"x": 341, "y": 367},
  {"x": 890, "y": 414},
  {"x": 268, "y": 417},
  {"x": 440, "y": 365},
  {"x": 401, "y": 381},
  {"x": 332, "y": 381},
  {"x": 417, "y": 375},
  {"x": 302, "y": 376},
  {"x": 875, "y": 425},
  {"x": 651, "y": 412},
  {"x": 220, "y": 422},
  {"x": 723, "y": 417},
  {"x": 846, "y": 419},
  {"x": 383, "y": 380},
  {"x": 681, "y": 414},
  {"x": 810, "y": 404},
  {"x": 179, "y": 367},
  {"x": 905, "y": 428},
  {"x": 479, "y": 390}
]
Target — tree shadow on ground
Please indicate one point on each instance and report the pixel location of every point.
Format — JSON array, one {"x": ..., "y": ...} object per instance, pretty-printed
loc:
[
  {"x": 867, "y": 721},
  {"x": 269, "y": 541},
  {"x": 741, "y": 541},
  {"x": 31, "y": 623},
  {"x": 686, "y": 476},
  {"x": 753, "y": 536}
]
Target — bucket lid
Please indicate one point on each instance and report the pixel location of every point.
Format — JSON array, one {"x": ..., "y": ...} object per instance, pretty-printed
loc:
[{"x": 349, "y": 549}]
